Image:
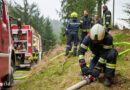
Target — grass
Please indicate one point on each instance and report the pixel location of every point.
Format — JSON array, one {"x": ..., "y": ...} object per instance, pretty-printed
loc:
[{"x": 48, "y": 77}]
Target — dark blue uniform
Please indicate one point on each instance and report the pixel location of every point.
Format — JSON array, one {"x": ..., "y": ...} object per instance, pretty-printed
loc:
[
  {"x": 103, "y": 54},
  {"x": 86, "y": 23},
  {"x": 72, "y": 29},
  {"x": 107, "y": 22}
]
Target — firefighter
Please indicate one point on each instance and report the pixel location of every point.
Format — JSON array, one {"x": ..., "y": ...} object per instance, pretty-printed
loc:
[
  {"x": 104, "y": 55},
  {"x": 107, "y": 23},
  {"x": 96, "y": 19},
  {"x": 35, "y": 53},
  {"x": 86, "y": 23},
  {"x": 72, "y": 29}
]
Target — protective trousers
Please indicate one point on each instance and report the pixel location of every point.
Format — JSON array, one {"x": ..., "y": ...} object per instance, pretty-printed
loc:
[
  {"x": 72, "y": 37},
  {"x": 107, "y": 61},
  {"x": 83, "y": 36}
]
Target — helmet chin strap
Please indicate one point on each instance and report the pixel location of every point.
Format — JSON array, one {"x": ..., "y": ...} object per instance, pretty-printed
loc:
[{"x": 96, "y": 37}]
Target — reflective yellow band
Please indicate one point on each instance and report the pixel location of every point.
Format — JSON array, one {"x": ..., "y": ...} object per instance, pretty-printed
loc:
[
  {"x": 111, "y": 66},
  {"x": 101, "y": 60},
  {"x": 108, "y": 15},
  {"x": 107, "y": 47},
  {"x": 81, "y": 21},
  {"x": 84, "y": 46},
  {"x": 81, "y": 57},
  {"x": 107, "y": 22},
  {"x": 85, "y": 30}
]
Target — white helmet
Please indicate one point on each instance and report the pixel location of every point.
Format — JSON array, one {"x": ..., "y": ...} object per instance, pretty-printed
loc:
[{"x": 97, "y": 32}]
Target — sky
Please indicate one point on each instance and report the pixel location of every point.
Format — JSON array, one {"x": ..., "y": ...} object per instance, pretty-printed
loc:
[{"x": 49, "y": 8}]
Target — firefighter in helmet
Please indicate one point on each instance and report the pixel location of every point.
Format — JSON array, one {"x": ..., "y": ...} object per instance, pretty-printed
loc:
[
  {"x": 104, "y": 55},
  {"x": 35, "y": 53},
  {"x": 72, "y": 29}
]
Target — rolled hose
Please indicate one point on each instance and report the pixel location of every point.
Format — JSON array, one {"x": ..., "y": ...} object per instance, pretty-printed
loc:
[{"x": 119, "y": 43}]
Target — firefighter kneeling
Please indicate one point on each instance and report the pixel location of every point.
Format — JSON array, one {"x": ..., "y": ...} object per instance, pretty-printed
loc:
[
  {"x": 104, "y": 55},
  {"x": 35, "y": 54}
]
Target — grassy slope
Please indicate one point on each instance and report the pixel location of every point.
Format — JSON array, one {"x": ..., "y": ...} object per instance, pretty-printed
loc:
[{"x": 45, "y": 76}]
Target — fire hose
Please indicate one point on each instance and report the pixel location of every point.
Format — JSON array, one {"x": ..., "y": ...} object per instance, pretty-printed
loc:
[
  {"x": 86, "y": 80},
  {"x": 23, "y": 77},
  {"x": 82, "y": 82},
  {"x": 119, "y": 43}
]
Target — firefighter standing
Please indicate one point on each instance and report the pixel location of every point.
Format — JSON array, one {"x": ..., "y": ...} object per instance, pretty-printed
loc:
[
  {"x": 107, "y": 23},
  {"x": 35, "y": 53},
  {"x": 72, "y": 31},
  {"x": 104, "y": 55},
  {"x": 96, "y": 20},
  {"x": 86, "y": 23}
]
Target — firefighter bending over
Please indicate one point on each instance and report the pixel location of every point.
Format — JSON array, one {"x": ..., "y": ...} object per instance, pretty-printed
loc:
[
  {"x": 104, "y": 55},
  {"x": 72, "y": 29}
]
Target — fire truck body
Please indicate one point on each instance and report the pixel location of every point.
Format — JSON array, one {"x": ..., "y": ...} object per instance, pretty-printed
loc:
[
  {"x": 23, "y": 44},
  {"x": 7, "y": 56}
]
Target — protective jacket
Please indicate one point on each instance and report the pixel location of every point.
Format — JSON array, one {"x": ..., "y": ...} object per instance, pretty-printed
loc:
[
  {"x": 73, "y": 25},
  {"x": 35, "y": 54},
  {"x": 107, "y": 21},
  {"x": 86, "y": 22},
  {"x": 103, "y": 53}
]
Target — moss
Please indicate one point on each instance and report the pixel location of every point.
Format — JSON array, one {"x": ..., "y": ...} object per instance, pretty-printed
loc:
[{"x": 120, "y": 37}]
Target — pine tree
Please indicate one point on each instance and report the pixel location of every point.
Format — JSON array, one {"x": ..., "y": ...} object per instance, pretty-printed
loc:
[
  {"x": 69, "y": 6},
  {"x": 30, "y": 15},
  {"x": 50, "y": 38}
]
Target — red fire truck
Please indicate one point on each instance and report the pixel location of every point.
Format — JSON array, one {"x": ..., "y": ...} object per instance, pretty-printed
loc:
[
  {"x": 24, "y": 38},
  {"x": 7, "y": 53}
]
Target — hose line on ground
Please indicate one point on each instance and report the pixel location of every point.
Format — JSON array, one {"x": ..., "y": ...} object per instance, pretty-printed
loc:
[
  {"x": 20, "y": 78},
  {"x": 24, "y": 77},
  {"x": 119, "y": 43}
]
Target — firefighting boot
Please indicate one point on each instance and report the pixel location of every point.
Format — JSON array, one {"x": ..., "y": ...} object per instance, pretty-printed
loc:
[
  {"x": 74, "y": 52},
  {"x": 107, "y": 82},
  {"x": 67, "y": 51}
]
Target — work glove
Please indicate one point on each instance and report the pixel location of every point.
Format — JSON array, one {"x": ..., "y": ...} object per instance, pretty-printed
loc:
[
  {"x": 96, "y": 72},
  {"x": 85, "y": 70}
]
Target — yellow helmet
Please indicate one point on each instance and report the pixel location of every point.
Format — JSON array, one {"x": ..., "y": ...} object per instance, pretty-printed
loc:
[
  {"x": 34, "y": 45},
  {"x": 74, "y": 14}
]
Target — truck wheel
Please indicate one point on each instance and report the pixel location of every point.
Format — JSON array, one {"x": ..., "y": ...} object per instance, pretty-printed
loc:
[
  {"x": 8, "y": 82},
  {"x": 11, "y": 76}
]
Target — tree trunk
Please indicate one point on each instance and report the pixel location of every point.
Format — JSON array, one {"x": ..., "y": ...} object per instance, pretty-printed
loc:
[{"x": 99, "y": 8}]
